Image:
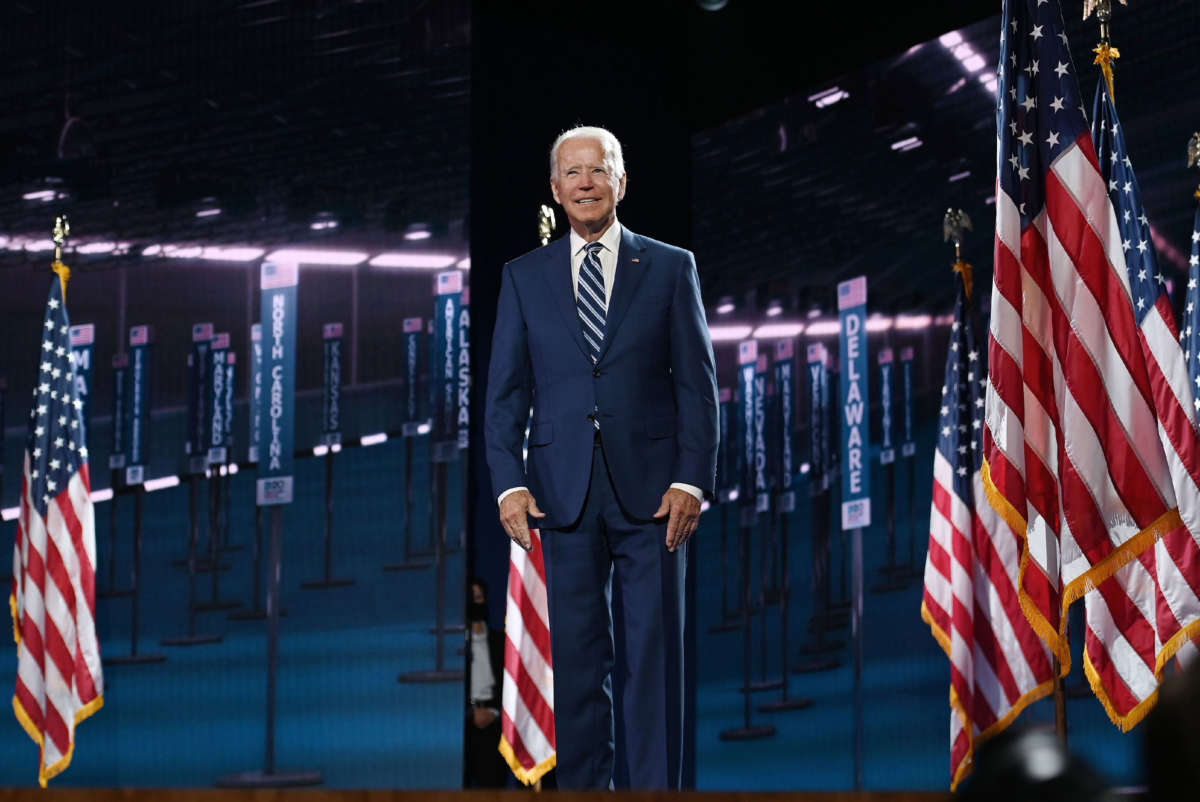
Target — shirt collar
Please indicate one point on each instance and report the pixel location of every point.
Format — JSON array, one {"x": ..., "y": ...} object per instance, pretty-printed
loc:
[{"x": 610, "y": 239}]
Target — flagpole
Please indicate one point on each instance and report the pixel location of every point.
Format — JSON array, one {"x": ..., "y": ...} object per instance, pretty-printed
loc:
[{"x": 1106, "y": 54}]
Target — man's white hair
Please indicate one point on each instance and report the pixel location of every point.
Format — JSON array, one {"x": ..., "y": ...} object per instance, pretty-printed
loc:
[{"x": 614, "y": 160}]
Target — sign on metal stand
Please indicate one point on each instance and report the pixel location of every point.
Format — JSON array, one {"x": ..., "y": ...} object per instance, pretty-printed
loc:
[
  {"x": 83, "y": 337},
  {"x": 820, "y": 622},
  {"x": 908, "y": 450},
  {"x": 416, "y": 424},
  {"x": 196, "y": 445},
  {"x": 196, "y": 448},
  {"x": 258, "y": 607},
  {"x": 256, "y": 392},
  {"x": 856, "y": 489},
  {"x": 785, "y": 504},
  {"x": 750, "y": 407},
  {"x": 217, "y": 430},
  {"x": 331, "y": 441},
  {"x": 140, "y": 340},
  {"x": 138, "y": 393},
  {"x": 116, "y": 468},
  {"x": 463, "y": 419},
  {"x": 120, "y": 368},
  {"x": 274, "y": 488},
  {"x": 447, "y": 303},
  {"x": 217, "y": 453},
  {"x": 727, "y": 479},
  {"x": 894, "y": 573},
  {"x": 765, "y": 447}
]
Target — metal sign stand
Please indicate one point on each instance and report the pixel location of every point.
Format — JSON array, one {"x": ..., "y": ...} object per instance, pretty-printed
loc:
[
  {"x": 410, "y": 562},
  {"x": 113, "y": 591},
  {"x": 730, "y": 619},
  {"x": 856, "y": 631},
  {"x": 215, "y": 601},
  {"x": 224, "y": 503},
  {"x": 274, "y": 487},
  {"x": 785, "y": 502},
  {"x": 747, "y": 731},
  {"x": 443, "y": 453},
  {"x": 268, "y": 777},
  {"x": 191, "y": 638},
  {"x": 913, "y": 566},
  {"x": 258, "y": 610},
  {"x": 819, "y": 648},
  {"x": 894, "y": 572},
  {"x": 328, "y": 581},
  {"x": 133, "y": 658}
]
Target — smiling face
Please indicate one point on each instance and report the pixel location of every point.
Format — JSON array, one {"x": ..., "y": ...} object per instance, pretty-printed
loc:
[{"x": 583, "y": 184}]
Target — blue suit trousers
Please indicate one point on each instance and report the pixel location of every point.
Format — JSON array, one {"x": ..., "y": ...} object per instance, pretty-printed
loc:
[{"x": 603, "y": 565}]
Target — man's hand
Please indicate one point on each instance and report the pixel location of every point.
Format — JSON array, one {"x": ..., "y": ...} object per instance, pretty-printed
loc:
[
  {"x": 684, "y": 509},
  {"x": 515, "y": 511},
  {"x": 483, "y": 717}
]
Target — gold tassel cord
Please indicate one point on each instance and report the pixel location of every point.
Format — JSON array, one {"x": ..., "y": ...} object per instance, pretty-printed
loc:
[
  {"x": 64, "y": 275},
  {"x": 1106, "y": 54},
  {"x": 964, "y": 269}
]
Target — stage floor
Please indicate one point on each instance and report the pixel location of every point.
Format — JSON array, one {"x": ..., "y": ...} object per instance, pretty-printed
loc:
[{"x": 272, "y": 795}]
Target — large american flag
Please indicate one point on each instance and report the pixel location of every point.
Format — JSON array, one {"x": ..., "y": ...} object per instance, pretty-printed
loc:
[
  {"x": 59, "y": 680},
  {"x": 527, "y": 700},
  {"x": 1089, "y": 439},
  {"x": 1157, "y": 592},
  {"x": 998, "y": 664}
]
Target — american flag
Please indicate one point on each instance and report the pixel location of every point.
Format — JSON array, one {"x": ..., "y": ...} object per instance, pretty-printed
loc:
[
  {"x": 998, "y": 664},
  {"x": 59, "y": 680},
  {"x": 1088, "y": 439},
  {"x": 527, "y": 700},
  {"x": 1151, "y": 602}
]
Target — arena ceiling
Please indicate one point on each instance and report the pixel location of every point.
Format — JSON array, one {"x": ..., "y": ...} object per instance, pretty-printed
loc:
[{"x": 791, "y": 198}]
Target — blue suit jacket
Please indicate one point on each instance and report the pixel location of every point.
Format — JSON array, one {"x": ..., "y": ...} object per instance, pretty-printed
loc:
[{"x": 654, "y": 385}]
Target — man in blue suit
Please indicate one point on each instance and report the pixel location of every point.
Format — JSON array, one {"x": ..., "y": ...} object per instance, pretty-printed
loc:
[{"x": 602, "y": 333}]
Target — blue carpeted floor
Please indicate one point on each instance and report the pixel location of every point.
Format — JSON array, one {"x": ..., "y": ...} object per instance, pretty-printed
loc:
[
  {"x": 905, "y": 674},
  {"x": 200, "y": 715}
]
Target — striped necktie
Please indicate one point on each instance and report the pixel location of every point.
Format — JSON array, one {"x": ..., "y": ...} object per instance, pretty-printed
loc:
[{"x": 590, "y": 299}]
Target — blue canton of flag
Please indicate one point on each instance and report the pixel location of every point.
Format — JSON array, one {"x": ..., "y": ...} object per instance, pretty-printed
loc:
[
  {"x": 56, "y": 445},
  {"x": 1190, "y": 337},
  {"x": 1035, "y": 73},
  {"x": 1146, "y": 282},
  {"x": 960, "y": 432}
]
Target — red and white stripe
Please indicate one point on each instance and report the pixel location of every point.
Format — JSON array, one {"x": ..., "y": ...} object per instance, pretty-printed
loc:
[
  {"x": 1089, "y": 441},
  {"x": 998, "y": 664},
  {"x": 59, "y": 678},
  {"x": 527, "y": 714}
]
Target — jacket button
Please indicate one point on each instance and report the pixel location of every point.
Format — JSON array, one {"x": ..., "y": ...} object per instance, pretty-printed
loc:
[{"x": 596, "y": 372}]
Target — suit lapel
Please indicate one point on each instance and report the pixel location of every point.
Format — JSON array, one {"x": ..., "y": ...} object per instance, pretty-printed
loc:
[
  {"x": 631, "y": 269},
  {"x": 558, "y": 279}
]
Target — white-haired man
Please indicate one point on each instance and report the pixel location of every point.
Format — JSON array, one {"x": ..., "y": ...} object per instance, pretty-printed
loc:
[{"x": 603, "y": 334}]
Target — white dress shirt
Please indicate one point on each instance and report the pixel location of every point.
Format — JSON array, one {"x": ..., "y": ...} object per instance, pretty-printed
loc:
[
  {"x": 611, "y": 240},
  {"x": 483, "y": 682}
]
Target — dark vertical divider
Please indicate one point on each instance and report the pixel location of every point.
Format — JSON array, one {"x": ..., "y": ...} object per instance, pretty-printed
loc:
[{"x": 538, "y": 68}]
